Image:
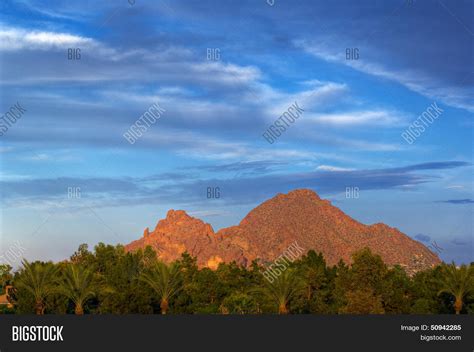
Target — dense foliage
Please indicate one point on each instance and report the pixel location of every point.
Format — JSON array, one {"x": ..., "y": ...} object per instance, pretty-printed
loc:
[{"x": 110, "y": 280}]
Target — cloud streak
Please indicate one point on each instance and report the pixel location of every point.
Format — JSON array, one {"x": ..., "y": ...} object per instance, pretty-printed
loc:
[
  {"x": 250, "y": 185},
  {"x": 458, "y": 201}
]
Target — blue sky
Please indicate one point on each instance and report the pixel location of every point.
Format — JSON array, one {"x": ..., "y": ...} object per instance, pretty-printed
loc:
[{"x": 412, "y": 54}]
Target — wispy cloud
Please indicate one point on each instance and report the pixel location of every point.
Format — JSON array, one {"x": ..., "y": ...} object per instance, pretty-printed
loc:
[
  {"x": 414, "y": 79},
  {"x": 247, "y": 188},
  {"x": 423, "y": 238},
  {"x": 14, "y": 39},
  {"x": 359, "y": 118},
  {"x": 459, "y": 242},
  {"x": 458, "y": 201},
  {"x": 332, "y": 168}
]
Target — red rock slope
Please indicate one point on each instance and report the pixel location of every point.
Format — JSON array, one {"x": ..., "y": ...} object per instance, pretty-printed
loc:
[{"x": 268, "y": 230}]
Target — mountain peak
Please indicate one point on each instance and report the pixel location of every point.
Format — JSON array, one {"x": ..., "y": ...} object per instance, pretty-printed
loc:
[
  {"x": 304, "y": 192},
  {"x": 177, "y": 214},
  {"x": 180, "y": 219},
  {"x": 301, "y": 217}
]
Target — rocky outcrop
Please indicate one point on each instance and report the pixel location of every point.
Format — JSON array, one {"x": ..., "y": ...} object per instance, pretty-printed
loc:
[{"x": 269, "y": 229}]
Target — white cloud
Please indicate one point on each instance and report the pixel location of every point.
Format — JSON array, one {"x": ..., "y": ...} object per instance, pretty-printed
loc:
[
  {"x": 455, "y": 187},
  {"x": 66, "y": 10},
  {"x": 243, "y": 98},
  {"x": 412, "y": 79},
  {"x": 226, "y": 73},
  {"x": 356, "y": 118},
  {"x": 106, "y": 63},
  {"x": 310, "y": 99},
  {"x": 13, "y": 177},
  {"x": 332, "y": 168},
  {"x": 58, "y": 156},
  {"x": 12, "y": 39}
]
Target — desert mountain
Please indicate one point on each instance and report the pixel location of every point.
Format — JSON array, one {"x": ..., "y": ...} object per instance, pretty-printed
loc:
[{"x": 269, "y": 229}]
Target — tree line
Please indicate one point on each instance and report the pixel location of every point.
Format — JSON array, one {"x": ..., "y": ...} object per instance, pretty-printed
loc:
[{"x": 109, "y": 280}]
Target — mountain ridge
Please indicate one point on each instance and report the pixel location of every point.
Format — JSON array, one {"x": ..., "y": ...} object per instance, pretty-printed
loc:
[{"x": 268, "y": 229}]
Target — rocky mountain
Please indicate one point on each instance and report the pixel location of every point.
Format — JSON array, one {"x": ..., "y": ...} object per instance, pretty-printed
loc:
[{"x": 269, "y": 229}]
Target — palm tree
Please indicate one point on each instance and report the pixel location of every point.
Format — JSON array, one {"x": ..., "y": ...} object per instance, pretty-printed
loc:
[
  {"x": 76, "y": 284},
  {"x": 282, "y": 289},
  {"x": 39, "y": 280},
  {"x": 165, "y": 280},
  {"x": 458, "y": 282}
]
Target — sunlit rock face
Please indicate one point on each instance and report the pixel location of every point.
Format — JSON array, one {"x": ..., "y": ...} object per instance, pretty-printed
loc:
[{"x": 300, "y": 216}]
